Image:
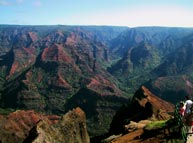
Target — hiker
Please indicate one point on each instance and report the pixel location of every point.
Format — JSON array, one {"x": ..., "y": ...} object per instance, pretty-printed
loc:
[
  {"x": 188, "y": 105},
  {"x": 181, "y": 109},
  {"x": 189, "y": 123},
  {"x": 188, "y": 114}
]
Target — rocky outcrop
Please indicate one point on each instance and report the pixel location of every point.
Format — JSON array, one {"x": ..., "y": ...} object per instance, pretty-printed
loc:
[
  {"x": 31, "y": 127},
  {"x": 46, "y": 67},
  {"x": 144, "y": 105},
  {"x": 132, "y": 126},
  {"x": 146, "y": 119},
  {"x": 151, "y": 105},
  {"x": 147, "y": 131},
  {"x": 16, "y": 126},
  {"x": 70, "y": 129}
]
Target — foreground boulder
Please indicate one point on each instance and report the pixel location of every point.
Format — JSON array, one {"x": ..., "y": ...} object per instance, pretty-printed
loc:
[
  {"x": 70, "y": 129},
  {"x": 32, "y": 127},
  {"x": 15, "y": 126}
]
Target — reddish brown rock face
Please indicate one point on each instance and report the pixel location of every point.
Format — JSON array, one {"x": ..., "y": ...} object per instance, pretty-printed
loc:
[
  {"x": 14, "y": 67},
  {"x": 103, "y": 86},
  {"x": 72, "y": 40},
  {"x": 61, "y": 82},
  {"x": 157, "y": 102},
  {"x": 21, "y": 125},
  {"x": 23, "y": 58},
  {"x": 16, "y": 125},
  {"x": 56, "y": 53},
  {"x": 156, "y": 107},
  {"x": 44, "y": 67},
  {"x": 144, "y": 106},
  {"x": 33, "y": 36},
  {"x": 71, "y": 128}
]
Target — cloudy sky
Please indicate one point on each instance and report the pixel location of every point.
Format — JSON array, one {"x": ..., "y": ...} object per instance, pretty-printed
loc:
[{"x": 132, "y": 13}]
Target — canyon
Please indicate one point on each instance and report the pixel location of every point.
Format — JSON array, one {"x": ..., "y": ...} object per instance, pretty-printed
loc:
[{"x": 54, "y": 69}]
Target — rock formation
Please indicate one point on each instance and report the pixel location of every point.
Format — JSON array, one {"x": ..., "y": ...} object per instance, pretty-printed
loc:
[
  {"x": 31, "y": 127},
  {"x": 147, "y": 119},
  {"x": 50, "y": 68},
  {"x": 144, "y": 105},
  {"x": 15, "y": 126},
  {"x": 70, "y": 129}
]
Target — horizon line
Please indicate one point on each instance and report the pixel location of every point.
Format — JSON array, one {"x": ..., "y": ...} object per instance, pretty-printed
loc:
[{"x": 102, "y": 25}]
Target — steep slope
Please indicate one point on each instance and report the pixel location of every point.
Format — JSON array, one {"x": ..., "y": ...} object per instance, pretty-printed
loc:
[
  {"x": 99, "y": 108},
  {"x": 66, "y": 55},
  {"x": 178, "y": 62},
  {"x": 173, "y": 78},
  {"x": 146, "y": 119},
  {"x": 105, "y": 34},
  {"x": 16, "y": 126},
  {"x": 144, "y": 105},
  {"x": 43, "y": 67},
  {"x": 29, "y": 126},
  {"x": 166, "y": 39},
  {"x": 70, "y": 129},
  {"x": 139, "y": 51},
  {"x": 136, "y": 64},
  {"x": 55, "y": 68}
]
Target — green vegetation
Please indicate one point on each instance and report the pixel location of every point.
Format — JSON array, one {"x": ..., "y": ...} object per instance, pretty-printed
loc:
[
  {"x": 168, "y": 129},
  {"x": 154, "y": 125},
  {"x": 111, "y": 61}
]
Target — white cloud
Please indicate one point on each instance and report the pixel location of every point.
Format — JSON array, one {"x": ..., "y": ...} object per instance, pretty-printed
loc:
[
  {"x": 160, "y": 16},
  {"x": 140, "y": 16}
]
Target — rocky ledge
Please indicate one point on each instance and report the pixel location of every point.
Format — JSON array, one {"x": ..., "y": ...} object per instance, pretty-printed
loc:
[{"x": 31, "y": 127}]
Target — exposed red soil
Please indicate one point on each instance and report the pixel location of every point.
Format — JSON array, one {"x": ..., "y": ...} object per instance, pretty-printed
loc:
[
  {"x": 75, "y": 38},
  {"x": 157, "y": 102},
  {"x": 28, "y": 76},
  {"x": 62, "y": 82},
  {"x": 94, "y": 82},
  {"x": 129, "y": 138},
  {"x": 49, "y": 54},
  {"x": 33, "y": 36},
  {"x": 71, "y": 40},
  {"x": 22, "y": 58},
  {"x": 56, "y": 53},
  {"x": 62, "y": 55},
  {"x": 98, "y": 83},
  {"x": 14, "y": 67},
  {"x": 60, "y": 33},
  {"x": 31, "y": 51},
  {"x": 160, "y": 112},
  {"x": 79, "y": 112},
  {"x": 20, "y": 122},
  {"x": 188, "y": 86}
]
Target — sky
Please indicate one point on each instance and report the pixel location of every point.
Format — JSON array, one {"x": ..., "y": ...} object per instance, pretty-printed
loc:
[{"x": 131, "y": 13}]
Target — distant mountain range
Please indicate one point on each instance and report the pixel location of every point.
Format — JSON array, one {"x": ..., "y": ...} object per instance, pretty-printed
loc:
[{"x": 55, "y": 68}]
